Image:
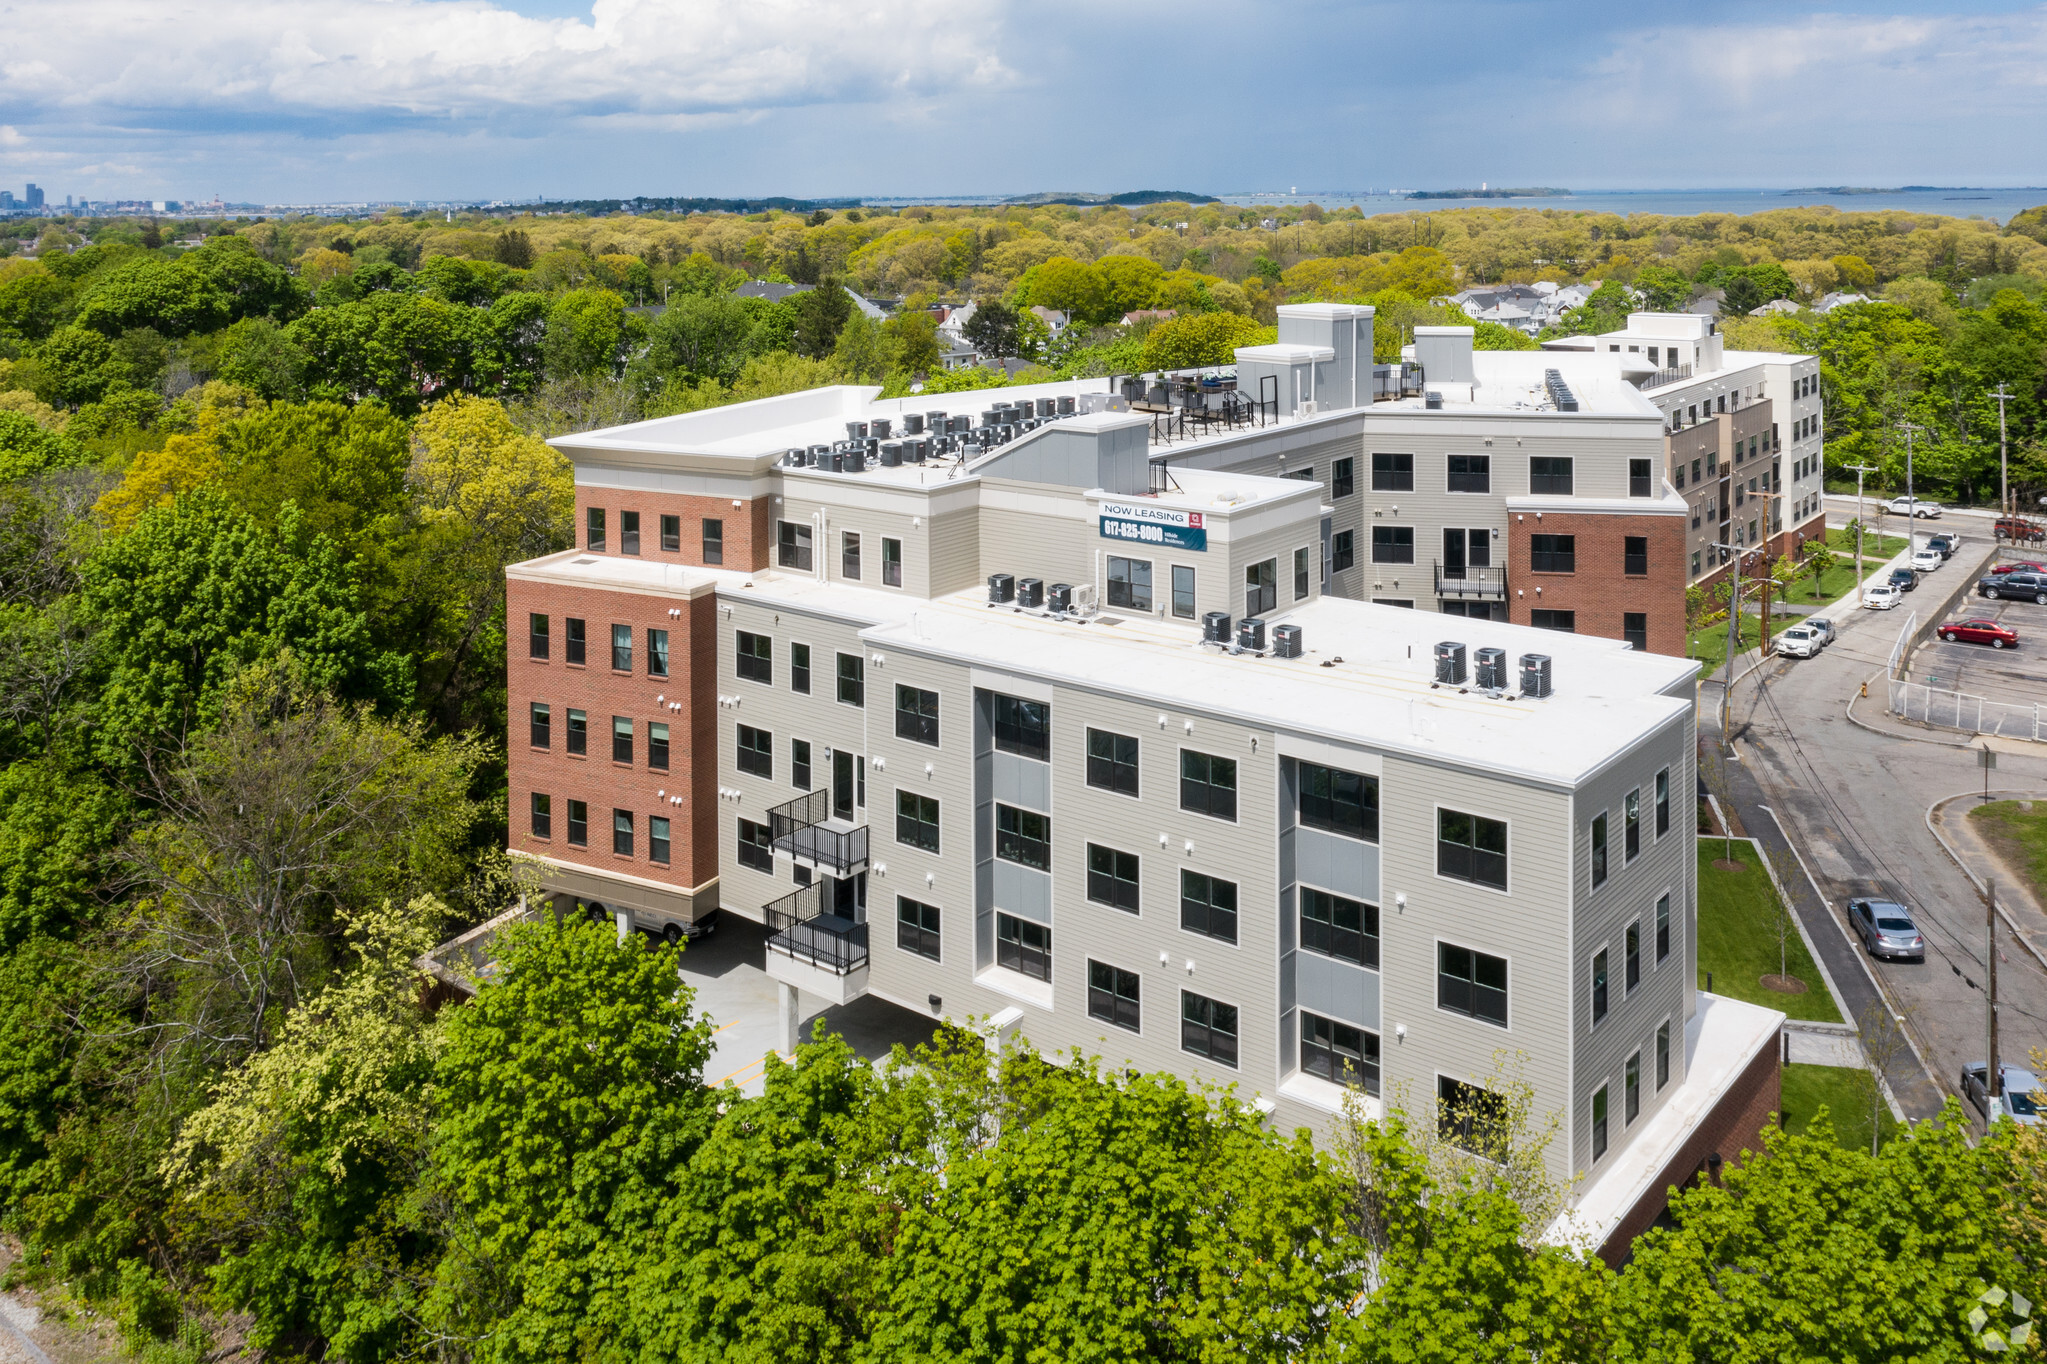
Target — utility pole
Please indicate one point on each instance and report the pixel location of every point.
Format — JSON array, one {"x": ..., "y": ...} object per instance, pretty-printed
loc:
[
  {"x": 1911, "y": 502},
  {"x": 2003, "y": 472},
  {"x": 1993, "y": 1077},
  {"x": 1860, "y": 470},
  {"x": 1733, "y": 635}
]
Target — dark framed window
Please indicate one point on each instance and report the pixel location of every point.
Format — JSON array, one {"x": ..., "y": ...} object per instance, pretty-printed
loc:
[
  {"x": 1112, "y": 762},
  {"x": 1470, "y": 1116},
  {"x": 792, "y": 546},
  {"x": 657, "y": 653},
  {"x": 1261, "y": 587},
  {"x": 1471, "y": 848},
  {"x": 1208, "y": 906},
  {"x": 1662, "y": 1055},
  {"x": 1598, "y": 987},
  {"x": 1343, "y": 551},
  {"x": 1640, "y": 480},
  {"x": 1112, "y": 995},
  {"x": 756, "y": 846},
  {"x": 540, "y": 725},
  {"x": 1662, "y": 928},
  {"x": 1635, "y": 630},
  {"x": 1112, "y": 877},
  {"x": 1631, "y": 1089},
  {"x": 1334, "y": 926},
  {"x": 1563, "y": 622},
  {"x": 579, "y": 824},
  {"x": 1632, "y": 956},
  {"x": 1392, "y": 473},
  {"x": 714, "y": 538},
  {"x": 1635, "y": 555},
  {"x": 1343, "y": 479},
  {"x": 1023, "y": 946},
  {"x": 799, "y": 668},
  {"x": 1631, "y": 825},
  {"x": 593, "y": 529},
  {"x": 572, "y": 644},
  {"x": 621, "y": 739},
  {"x": 1208, "y": 1028},
  {"x": 1023, "y": 837},
  {"x": 577, "y": 740},
  {"x": 1183, "y": 591},
  {"x": 799, "y": 764},
  {"x": 1471, "y": 983},
  {"x": 852, "y": 680},
  {"x": 1393, "y": 544},
  {"x": 629, "y": 532},
  {"x": 756, "y": 751},
  {"x": 1339, "y": 802},
  {"x": 1208, "y": 784},
  {"x": 1663, "y": 802},
  {"x": 1304, "y": 474},
  {"x": 917, "y": 927},
  {"x": 1471, "y": 473},
  {"x": 917, "y": 820},
  {"x": 1599, "y": 1122},
  {"x": 536, "y": 635},
  {"x": 1553, "y": 553},
  {"x": 657, "y": 746},
  {"x": 1339, "y": 1053},
  {"x": 1550, "y": 474},
  {"x": 621, "y": 648},
  {"x": 1301, "y": 574},
  {"x": 1599, "y": 849},
  {"x": 849, "y": 554},
  {"x": 891, "y": 563},
  {"x": 917, "y": 715},
  {"x": 542, "y": 816},
  {"x": 1023, "y": 727},
  {"x": 622, "y": 832},
  {"x": 1130, "y": 583},
  {"x": 755, "y": 656},
  {"x": 671, "y": 536}
]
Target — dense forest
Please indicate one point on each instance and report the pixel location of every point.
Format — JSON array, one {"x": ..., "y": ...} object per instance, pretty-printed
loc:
[{"x": 259, "y": 482}]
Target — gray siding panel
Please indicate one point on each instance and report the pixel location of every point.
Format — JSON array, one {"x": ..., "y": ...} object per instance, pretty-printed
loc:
[
  {"x": 1022, "y": 891},
  {"x": 1022, "y": 782},
  {"x": 1336, "y": 989},
  {"x": 1333, "y": 862}
]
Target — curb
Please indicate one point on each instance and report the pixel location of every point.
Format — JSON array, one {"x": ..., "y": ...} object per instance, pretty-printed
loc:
[
  {"x": 2022, "y": 936},
  {"x": 1811, "y": 948}
]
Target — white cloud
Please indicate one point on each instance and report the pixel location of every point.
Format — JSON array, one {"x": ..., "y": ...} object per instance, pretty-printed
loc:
[{"x": 10, "y": 136}]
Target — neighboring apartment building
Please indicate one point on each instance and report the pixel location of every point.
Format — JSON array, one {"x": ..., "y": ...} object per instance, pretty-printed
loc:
[{"x": 963, "y": 724}]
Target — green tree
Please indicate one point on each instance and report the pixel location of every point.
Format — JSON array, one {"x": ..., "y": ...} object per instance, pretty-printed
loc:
[
  {"x": 76, "y": 366},
  {"x": 1663, "y": 289},
  {"x": 260, "y": 356},
  {"x": 59, "y": 822},
  {"x": 401, "y": 348},
  {"x": 32, "y": 305},
  {"x": 703, "y": 336},
  {"x": 819, "y": 313},
  {"x": 1202, "y": 339},
  {"x": 992, "y": 329},
  {"x": 26, "y": 448},
  {"x": 910, "y": 339},
  {"x": 589, "y": 331}
]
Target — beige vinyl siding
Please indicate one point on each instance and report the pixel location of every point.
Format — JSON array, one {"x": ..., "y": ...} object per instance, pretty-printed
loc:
[{"x": 952, "y": 560}]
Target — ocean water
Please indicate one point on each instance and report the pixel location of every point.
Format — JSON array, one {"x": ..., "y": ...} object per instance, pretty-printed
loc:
[{"x": 2000, "y": 204}]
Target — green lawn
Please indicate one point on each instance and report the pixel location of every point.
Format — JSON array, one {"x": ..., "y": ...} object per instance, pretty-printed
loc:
[
  {"x": 1846, "y": 1095},
  {"x": 1738, "y": 914},
  {"x": 2018, "y": 830}
]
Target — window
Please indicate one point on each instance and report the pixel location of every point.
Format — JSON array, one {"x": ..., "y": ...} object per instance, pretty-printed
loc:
[
  {"x": 1304, "y": 474},
  {"x": 1598, "y": 987},
  {"x": 1471, "y": 848},
  {"x": 621, "y": 739},
  {"x": 1635, "y": 554},
  {"x": 756, "y": 751},
  {"x": 849, "y": 555},
  {"x": 1695, "y": 553},
  {"x": 1333, "y": 926},
  {"x": 536, "y": 635},
  {"x": 1339, "y": 1053},
  {"x": 1553, "y": 553},
  {"x": 1023, "y": 727},
  {"x": 1599, "y": 849},
  {"x": 1261, "y": 587},
  {"x": 1130, "y": 583},
  {"x": 578, "y": 738},
  {"x": 917, "y": 715},
  {"x": 799, "y": 764},
  {"x": 1112, "y": 877},
  {"x": 756, "y": 655},
  {"x": 852, "y": 680},
  {"x": 1208, "y": 785},
  {"x": 1339, "y": 802},
  {"x": 657, "y": 839},
  {"x": 671, "y": 538},
  {"x": 1662, "y": 1055},
  {"x": 621, "y": 648},
  {"x": 1208, "y": 1028},
  {"x": 1632, "y": 957},
  {"x": 1301, "y": 574},
  {"x": 1112, "y": 762},
  {"x": 1550, "y": 474},
  {"x": 593, "y": 523},
  {"x": 1023, "y": 946},
  {"x": 756, "y": 846},
  {"x": 543, "y": 816},
  {"x": 799, "y": 668},
  {"x": 1564, "y": 622},
  {"x": 1639, "y": 478},
  {"x": 1471, "y": 983},
  {"x": 917, "y": 820},
  {"x": 1112, "y": 995},
  {"x": 540, "y": 726},
  {"x": 792, "y": 546},
  {"x": 1662, "y": 928},
  {"x": 917, "y": 928},
  {"x": 714, "y": 537},
  {"x": 1680, "y": 475},
  {"x": 1343, "y": 551},
  {"x": 1470, "y": 1116},
  {"x": 1471, "y": 473},
  {"x": 629, "y": 532},
  {"x": 579, "y": 824},
  {"x": 622, "y": 832},
  {"x": 572, "y": 648},
  {"x": 891, "y": 563},
  {"x": 1635, "y": 630},
  {"x": 1392, "y": 544},
  {"x": 1208, "y": 906},
  {"x": 657, "y": 746},
  {"x": 1183, "y": 591},
  {"x": 1392, "y": 473},
  {"x": 1663, "y": 802},
  {"x": 657, "y": 653},
  {"x": 1343, "y": 477},
  {"x": 1631, "y": 825},
  {"x": 1023, "y": 837}
]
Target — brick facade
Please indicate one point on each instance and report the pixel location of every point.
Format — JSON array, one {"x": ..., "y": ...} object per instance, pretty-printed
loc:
[
  {"x": 1599, "y": 590},
  {"x": 748, "y": 523}
]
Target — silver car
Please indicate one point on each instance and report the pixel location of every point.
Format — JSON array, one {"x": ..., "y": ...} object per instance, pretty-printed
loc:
[
  {"x": 1887, "y": 930},
  {"x": 2021, "y": 1101},
  {"x": 1822, "y": 627}
]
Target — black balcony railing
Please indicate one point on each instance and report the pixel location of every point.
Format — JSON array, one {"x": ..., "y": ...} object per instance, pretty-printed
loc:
[
  {"x": 799, "y": 829},
  {"x": 800, "y": 929},
  {"x": 1471, "y": 580}
]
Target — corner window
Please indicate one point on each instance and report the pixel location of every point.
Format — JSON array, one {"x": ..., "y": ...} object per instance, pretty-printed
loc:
[
  {"x": 1392, "y": 544},
  {"x": 1343, "y": 551},
  {"x": 1471, "y": 848},
  {"x": 1339, "y": 1053},
  {"x": 657, "y": 653},
  {"x": 579, "y": 824},
  {"x": 1392, "y": 473},
  {"x": 1130, "y": 584},
  {"x": 540, "y": 725},
  {"x": 621, "y": 648},
  {"x": 578, "y": 738},
  {"x": 1471, "y": 983},
  {"x": 622, "y": 832},
  {"x": 1301, "y": 574},
  {"x": 756, "y": 657},
  {"x": 1470, "y": 1117},
  {"x": 714, "y": 538},
  {"x": 917, "y": 928},
  {"x": 1208, "y": 906},
  {"x": 891, "y": 563},
  {"x": 1023, "y": 837},
  {"x": 1208, "y": 1028},
  {"x": 671, "y": 535},
  {"x": 1339, "y": 802},
  {"x": 917, "y": 715},
  {"x": 1550, "y": 474},
  {"x": 657, "y": 746},
  {"x": 621, "y": 739},
  {"x": 1662, "y": 1055},
  {"x": 1183, "y": 591},
  {"x": 1112, "y": 762},
  {"x": 1112, "y": 877},
  {"x": 852, "y": 680},
  {"x": 1599, "y": 849},
  {"x": 1598, "y": 987},
  {"x": 917, "y": 820},
  {"x": 1343, "y": 477},
  {"x": 593, "y": 529},
  {"x": 629, "y": 532},
  {"x": 542, "y": 816},
  {"x": 799, "y": 668},
  {"x": 1023, "y": 727},
  {"x": 1334, "y": 926},
  {"x": 1471, "y": 474},
  {"x": 792, "y": 546},
  {"x": 1663, "y": 802},
  {"x": 1112, "y": 995},
  {"x": 536, "y": 635},
  {"x": 572, "y": 649},
  {"x": 1553, "y": 553},
  {"x": 1023, "y": 946},
  {"x": 849, "y": 555},
  {"x": 1208, "y": 784}
]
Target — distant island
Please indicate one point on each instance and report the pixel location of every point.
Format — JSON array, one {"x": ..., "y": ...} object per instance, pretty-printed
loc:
[
  {"x": 1132, "y": 197},
  {"x": 1899, "y": 189},
  {"x": 1533, "y": 192}
]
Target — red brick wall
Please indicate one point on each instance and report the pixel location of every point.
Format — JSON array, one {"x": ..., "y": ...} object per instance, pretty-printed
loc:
[
  {"x": 1600, "y": 591},
  {"x": 602, "y": 693},
  {"x": 749, "y": 527},
  {"x": 1734, "y": 1129}
]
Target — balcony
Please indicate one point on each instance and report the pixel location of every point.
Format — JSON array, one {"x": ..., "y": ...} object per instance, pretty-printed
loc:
[
  {"x": 807, "y": 832},
  {"x": 814, "y": 951},
  {"x": 1471, "y": 582}
]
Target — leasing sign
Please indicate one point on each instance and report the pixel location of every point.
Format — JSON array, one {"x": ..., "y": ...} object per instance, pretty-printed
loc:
[{"x": 1146, "y": 524}]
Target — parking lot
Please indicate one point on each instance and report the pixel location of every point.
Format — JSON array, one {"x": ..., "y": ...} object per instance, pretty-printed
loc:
[{"x": 2015, "y": 675}]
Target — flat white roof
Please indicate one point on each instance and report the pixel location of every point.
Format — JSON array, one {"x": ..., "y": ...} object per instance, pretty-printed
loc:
[{"x": 1511, "y": 383}]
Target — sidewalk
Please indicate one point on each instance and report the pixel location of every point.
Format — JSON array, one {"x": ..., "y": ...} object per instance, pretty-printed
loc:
[
  {"x": 1748, "y": 660},
  {"x": 2022, "y": 914}
]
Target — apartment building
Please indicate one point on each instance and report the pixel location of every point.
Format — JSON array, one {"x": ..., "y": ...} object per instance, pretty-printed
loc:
[{"x": 1045, "y": 720}]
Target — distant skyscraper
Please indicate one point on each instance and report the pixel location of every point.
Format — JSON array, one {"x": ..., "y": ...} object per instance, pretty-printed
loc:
[
  {"x": 6, "y": 200},
  {"x": 35, "y": 196}
]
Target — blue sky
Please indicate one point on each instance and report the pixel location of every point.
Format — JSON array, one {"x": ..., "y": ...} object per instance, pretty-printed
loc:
[{"x": 288, "y": 100}]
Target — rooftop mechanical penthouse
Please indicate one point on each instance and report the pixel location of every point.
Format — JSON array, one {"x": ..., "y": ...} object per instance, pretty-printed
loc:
[{"x": 1014, "y": 718}]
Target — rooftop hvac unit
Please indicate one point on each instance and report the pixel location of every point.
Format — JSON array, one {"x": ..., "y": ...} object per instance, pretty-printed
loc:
[
  {"x": 1048, "y": 407},
  {"x": 1061, "y": 598},
  {"x": 1030, "y": 593},
  {"x": 913, "y": 423},
  {"x": 988, "y": 417},
  {"x": 878, "y": 428},
  {"x": 936, "y": 421},
  {"x": 1450, "y": 663},
  {"x": 817, "y": 454},
  {"x": 1286, "y": 641},
  {"x": 1251, "y": 634},
  {"x": 1001, "y": 589},
  {"x": 891, "y": 453},
  {"x": 1084, "y": 599},
  {"x": 913, "y": 449},
  {"x": 1492, "y": 669},
  {"x": 1215, "y": 627},
  {"x": 1559, "y": 391},
  {"x": 1432, "y": 400},
  {"x": 855, "y": 462},
  {"x": 1535, "y": 679},
  {"x": 795, "y": 458},
  {"x": 832, "y": 462},
  {"x": 1066, "y": 407},
  {"x": 856, "y": 430},
  {"x": 962, "y": 424}
]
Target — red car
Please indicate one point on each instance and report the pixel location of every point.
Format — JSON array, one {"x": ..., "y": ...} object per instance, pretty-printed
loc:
[
  {"x": 2019, "y": 566},
  {"x": 2016, "y": 528},
  {"x": 1980, "y": 632}
]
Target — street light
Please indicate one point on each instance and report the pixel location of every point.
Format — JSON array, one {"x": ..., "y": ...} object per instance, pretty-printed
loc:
[
  {"x": 1911, "y": 502},
  {"x": 2003, "y": 473},
  {"x": 1733, "y": 634},
  {"x": 1860, "y": 518}
]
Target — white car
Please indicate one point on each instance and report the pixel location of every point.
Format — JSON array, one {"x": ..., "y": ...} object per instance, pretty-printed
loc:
[
  {"x": 2021, "y": 1100},
  {"x": 1913, "y": 506},
  {"x": 1926, "y": 560},
  {"x": 1882, "y": 597},
  {"x": 1799, "y": 641},
  {"x": 1820, "y": 626}
]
